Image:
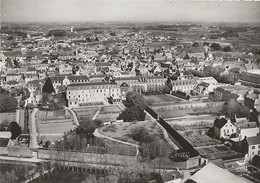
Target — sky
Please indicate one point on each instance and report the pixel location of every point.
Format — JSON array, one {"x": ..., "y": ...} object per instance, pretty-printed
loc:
[{"x": 129, "y": 10}]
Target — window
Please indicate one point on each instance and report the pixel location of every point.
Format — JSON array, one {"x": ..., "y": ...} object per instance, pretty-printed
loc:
[
  {"x": 253, "y": 147},
  {"x": 253, "y": 153}
]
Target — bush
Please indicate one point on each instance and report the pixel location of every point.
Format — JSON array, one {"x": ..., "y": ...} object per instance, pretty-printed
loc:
[
  {"x": 111, "y": 128},
  {"x": 7, "y": 103},
  {"x": 141, "y": 135}
]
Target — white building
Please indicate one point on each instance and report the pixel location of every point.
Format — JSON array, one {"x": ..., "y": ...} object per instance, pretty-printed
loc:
[
  {"x": 223, "y": 128},
  {"x": 92, "y": 93},
  {"x": 253, "y": 146}
]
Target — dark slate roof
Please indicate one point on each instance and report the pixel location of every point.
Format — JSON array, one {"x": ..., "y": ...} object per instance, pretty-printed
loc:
[
  {"x": 219, "y": 123},
  {"x": 4, "y": 142},
  {"x": 220, "y": 89},
  {"x": 253, "y": 140},
  {"x": 91, "y": 84}
]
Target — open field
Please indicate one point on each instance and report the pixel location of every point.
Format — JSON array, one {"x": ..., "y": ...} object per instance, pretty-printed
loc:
[
  {"x": 157, "y": 99},
  {"x": 173, "y": 113},
  {"x": 121, "y": 131}
]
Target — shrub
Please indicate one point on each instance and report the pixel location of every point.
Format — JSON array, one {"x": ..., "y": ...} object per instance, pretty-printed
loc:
[{"x": 141, "y": 135}]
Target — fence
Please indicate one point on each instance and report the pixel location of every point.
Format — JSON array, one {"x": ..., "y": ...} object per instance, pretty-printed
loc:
[
  {"x": 180, "y": 141},
  {"x": 75, "y": 156}
]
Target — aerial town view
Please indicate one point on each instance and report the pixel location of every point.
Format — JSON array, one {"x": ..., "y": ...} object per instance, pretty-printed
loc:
[{"x": 129, "y": 91}]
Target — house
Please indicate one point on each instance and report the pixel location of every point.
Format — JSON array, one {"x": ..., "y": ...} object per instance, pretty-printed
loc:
[
  {"x": 65, "y": 69},
  {"x": 253, "y": 144},
  {"x": 143, "y": 84},
  {"x": 247, "y": 129},
  {"x": 35, "y": 85},
  {"x": 184, "y": 83},
  {"x": 211, "y": 173},
  {"x": 249, "y": 79},
  {"x": 212, "y": 82},
  {"x": 15, "y": 76},
  {"x": 223, "y": 128},
  {"x": 196, "y": 55},
  {"x": 252, "y": 100},
  {"x": 202, "y": 89}
]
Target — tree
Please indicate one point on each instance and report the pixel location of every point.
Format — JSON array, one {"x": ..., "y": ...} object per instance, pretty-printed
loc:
[
  {"x": 133, "y": 99},
  {"x": 110, "y": 100},
  {"x": 141, "y": 135},
  {"x": 231, "y": 108},
  {"x": 227, "y": 49},
  {"x": 7, "y": 103},
  {"x": 9, "y": 177},
  {"x": 215, "y": 46},
  {"x": 98, "y": 123},
  {"x": 86, "y": 127},
  {"x": 15, "y": 130},
  {"x": 195, "y": 44},
  {"x": 134, "y": 113},
  {"x": 48, "y": 86}
]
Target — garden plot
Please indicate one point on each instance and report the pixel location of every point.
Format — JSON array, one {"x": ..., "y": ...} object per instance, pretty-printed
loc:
[{"x": 109, "y": 113}]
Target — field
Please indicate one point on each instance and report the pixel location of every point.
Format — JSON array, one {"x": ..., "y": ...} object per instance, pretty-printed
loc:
[
  {"x": 109, "y": 113},
  {"x": 121, "y": 131},
  {"x": 158, "y": 99},
  {"x": 85, "y": 112}
]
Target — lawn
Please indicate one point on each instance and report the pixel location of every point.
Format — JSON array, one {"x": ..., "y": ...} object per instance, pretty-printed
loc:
[
  {"x": 173, "y": 113},
  {"x": 108, "y": 113},
  {"x": 85, "y": 112},
  {"x": 121, "y": 131},
  {"x": 109, "y": 109},
  {"x": 158, "y": 99}
]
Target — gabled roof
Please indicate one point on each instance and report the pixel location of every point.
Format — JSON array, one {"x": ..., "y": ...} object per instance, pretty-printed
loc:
[
  {"x": 219, "y": 123},
  {"x": 253, "y": 140},
  {"x": 213, "y": 174}
]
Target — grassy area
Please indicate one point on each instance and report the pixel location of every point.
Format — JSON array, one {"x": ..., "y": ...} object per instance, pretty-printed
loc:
[
  {"x": 173, "y": 113},
  {"x": 85, "y": 112},
  {"x": 155, "y": 99},
  {"x": 108, "y": 113},
  {"x": 121, "y": 131}
]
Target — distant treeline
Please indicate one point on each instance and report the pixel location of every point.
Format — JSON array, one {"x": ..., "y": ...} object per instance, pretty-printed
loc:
[
  {"x": 89, "y": 28},
  {"x": 57, "y": 33}
]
